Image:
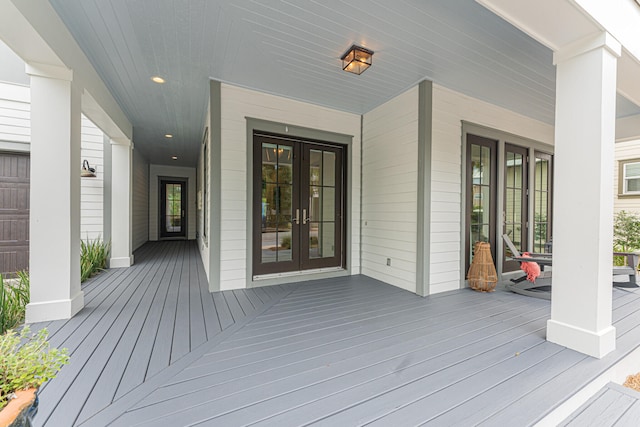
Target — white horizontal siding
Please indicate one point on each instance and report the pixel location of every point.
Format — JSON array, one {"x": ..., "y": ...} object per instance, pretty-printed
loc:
[
  {"x": 239, "y": 103},
  {"x": 92, "y": 189},
  {"x": 450, "y": 108},
  {"x": 140, "y": 199},
  {"x": 389, "y": 191},
  {"x": 628, "y": 150},
  {"x": 15, "y": 113}
]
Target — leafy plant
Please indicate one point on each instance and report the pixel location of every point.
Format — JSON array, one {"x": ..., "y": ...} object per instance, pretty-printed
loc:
[
  {"x": 626, "y": 231},
  {"x": 14, "y": 297},
  {"x": 285, "y": 243},
  {"x": 27, "y": 361},
  {"x": 93, "y": 257},
  {"x": 626, "y": 234}
]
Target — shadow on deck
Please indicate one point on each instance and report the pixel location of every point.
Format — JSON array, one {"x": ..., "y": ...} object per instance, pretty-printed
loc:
[{"x": 154, "y": 347}]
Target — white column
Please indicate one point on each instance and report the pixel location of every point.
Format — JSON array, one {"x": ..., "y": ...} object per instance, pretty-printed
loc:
[
  {"x": 121, "y": 203},
  {"x": 581, "y": 299},
  {"x": 54, "y": 223}
]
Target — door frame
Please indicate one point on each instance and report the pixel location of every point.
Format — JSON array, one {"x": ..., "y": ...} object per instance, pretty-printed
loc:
[
  {"x": 510, "y": 265},
  {"x": 503, "y": 138},
  {"x": 300, "y": 132},
  {"x": 183, "y": 235},
  {"x": 300, "y": 232},
  {"x": 492, "y": 144},
  {"x": 274, "y": 267}
]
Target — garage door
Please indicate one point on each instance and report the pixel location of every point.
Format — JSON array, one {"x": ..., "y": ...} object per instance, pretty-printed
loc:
[{"x": 14, "y": 212}]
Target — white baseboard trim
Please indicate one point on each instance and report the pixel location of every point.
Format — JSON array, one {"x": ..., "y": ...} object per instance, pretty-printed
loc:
[
  {"x": 54, "y": 310},
  {"x": 121, "y": 262}
]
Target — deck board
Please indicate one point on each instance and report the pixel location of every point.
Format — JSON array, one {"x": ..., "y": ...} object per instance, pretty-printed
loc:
[
  {"x": 89, "y": 361},
  {"x": 116, "y": 341},
  {"x": 154, "y": 347},
  {"x": 136, "y": 368},
  {"x": 107, "y": 384},
  {"x": 181, "y": 328},
  {"x": 613, "y": 405}
]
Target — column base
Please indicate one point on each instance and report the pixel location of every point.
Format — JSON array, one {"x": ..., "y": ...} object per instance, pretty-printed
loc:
[
  {"x": 595, "y": 344},
  {"x": 54, "y": 310},
  {"x": 121, "y": 262}
]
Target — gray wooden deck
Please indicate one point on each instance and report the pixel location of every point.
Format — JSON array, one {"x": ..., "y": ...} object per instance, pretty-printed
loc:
[
  {"x": 614, "y": 405},
  {"x": 153, "y": 347},
  {"x": 137, "y": 322}
]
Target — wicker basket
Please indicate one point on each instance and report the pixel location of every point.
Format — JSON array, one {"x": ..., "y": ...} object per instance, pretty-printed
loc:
[{"x": 482, "y": 274}]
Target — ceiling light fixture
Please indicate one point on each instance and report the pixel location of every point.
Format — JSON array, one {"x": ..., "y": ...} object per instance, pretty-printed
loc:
[
  {"x": 356, "y": 59},
  {"x": 174, "y": 157},
  {"x": 168, "y": 135},
  {"x": 157, "y": 79}
]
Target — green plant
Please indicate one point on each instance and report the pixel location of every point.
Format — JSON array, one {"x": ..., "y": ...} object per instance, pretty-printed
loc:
[
  {"x": 27, "y": 361},
  {"x": 626, "y": 231},
  {"x": 626, "y": 234},
  {"x": 285, "y": 243},
  {"x": 14, "y": 297},
  {"x": 93, "y": 257}
]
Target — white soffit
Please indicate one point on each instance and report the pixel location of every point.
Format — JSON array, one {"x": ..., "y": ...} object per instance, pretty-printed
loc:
[
  {"x": 554, "y": 23},
  {"x": 628, "y": 128},
  {"x": 629, "y": 77}
]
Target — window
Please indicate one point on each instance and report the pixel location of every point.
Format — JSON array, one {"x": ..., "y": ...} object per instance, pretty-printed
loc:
[
  {"x": 629, "y": 177},
  {"x": 542, "y": 201}
]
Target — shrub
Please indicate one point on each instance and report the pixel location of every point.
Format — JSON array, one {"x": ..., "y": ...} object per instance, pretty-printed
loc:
[
  {"x": 626, "y": 231},
  {"x": 285, "y": 243},
  {"x": 14, "y": 297},
  {"x": 626, "y": 234},
  {"x": 27, "y": 361},
  {"x": 93, "y": 257}
]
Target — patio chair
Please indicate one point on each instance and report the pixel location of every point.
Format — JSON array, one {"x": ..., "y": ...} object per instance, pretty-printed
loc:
[{"x": 541, "y": 288}]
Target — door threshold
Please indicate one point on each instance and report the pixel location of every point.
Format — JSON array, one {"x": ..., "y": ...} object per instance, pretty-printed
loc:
[{"x": 297, "y": 273}]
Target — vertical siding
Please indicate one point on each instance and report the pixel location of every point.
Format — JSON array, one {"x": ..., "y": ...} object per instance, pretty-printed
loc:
[
  {"x": 91, "y": 189},
  {"x": 389, "y": 191},
  {"x": 15, "y": 116},
  {"x": 140, "y": 199},
  {"x": 449, "y": 109},
  {"x": 238, "y": 103}
]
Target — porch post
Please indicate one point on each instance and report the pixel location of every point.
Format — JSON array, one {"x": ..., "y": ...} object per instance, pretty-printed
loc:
[
  {"x": 121, "y": 204},
  {"x": 581, "y": 301},
  {"x": 54, "y": 223}
]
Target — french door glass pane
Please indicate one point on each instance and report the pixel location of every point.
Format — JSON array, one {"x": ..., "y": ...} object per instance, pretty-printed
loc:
[
  {"x": 481, "y": 195},
  {"x": 513, "y": 199},
  {"x": 542, "y": 215},
  {"x": 322, "y": 204},
  {"x": 277, "y": 209},
  {"x": 173, "y": 214}
]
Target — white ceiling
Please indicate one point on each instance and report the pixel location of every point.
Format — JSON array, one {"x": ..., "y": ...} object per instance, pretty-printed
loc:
[{"x": 292, "y": 48}]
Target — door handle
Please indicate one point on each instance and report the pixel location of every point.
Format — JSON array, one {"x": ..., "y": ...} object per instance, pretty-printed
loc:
[
  {"x": 296, "y": 219},
  {"x": 304, "y": 217}
]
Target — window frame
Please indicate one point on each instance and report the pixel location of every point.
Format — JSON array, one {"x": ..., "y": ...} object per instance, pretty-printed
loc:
[{"x": 622, "y": 179}]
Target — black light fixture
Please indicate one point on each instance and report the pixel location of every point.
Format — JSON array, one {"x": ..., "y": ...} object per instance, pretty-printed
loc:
[
  {"x": 356, "y": 59},
  {"x": 87, "y": 171}
]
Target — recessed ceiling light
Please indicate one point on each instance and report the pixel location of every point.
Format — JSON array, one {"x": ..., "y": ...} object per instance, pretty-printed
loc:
[
  {"x": 157, "y": 79},
  {"x": 174, "y": 157},
  {"x": 168, "y": 135}
]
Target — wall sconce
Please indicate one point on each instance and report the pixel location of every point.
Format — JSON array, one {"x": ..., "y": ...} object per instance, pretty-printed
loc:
[
  {"x": 356, "y": 59},
  {"x": 87, "y": 171}
]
